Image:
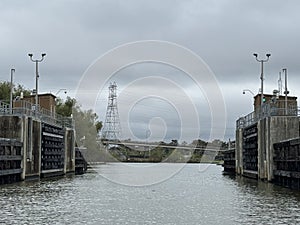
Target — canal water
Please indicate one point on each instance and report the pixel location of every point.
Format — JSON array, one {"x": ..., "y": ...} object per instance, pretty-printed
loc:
[{"x": 192, "y": 196}]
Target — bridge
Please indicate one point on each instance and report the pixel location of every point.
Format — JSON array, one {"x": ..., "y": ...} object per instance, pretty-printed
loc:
[{"x": 142, "y": 146}]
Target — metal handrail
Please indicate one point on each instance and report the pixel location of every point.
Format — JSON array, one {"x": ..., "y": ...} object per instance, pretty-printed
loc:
[
  {"x": 4, "y": 107},
  {"x": 267, "y": 110},
  {"x": 26, "y": 108}
]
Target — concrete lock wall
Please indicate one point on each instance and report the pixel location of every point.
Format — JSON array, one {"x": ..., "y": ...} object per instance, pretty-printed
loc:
[
  {"x": 11, "y": 127},
  {"x": 69, "y": 151},
  {"x": 272, "y": 130},
  {"x": 239, "y": 151},
  {"x": 28, "y": 130},
  {"x": 32, "y": 152},
  {"x": 262, "y": 141}
]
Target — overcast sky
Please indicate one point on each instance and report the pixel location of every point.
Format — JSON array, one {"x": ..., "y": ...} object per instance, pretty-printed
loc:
[{"x": 225, "y": 34}]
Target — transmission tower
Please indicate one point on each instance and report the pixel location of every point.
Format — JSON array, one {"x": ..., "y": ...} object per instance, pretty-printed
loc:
[{"x": 112, "y": 128}]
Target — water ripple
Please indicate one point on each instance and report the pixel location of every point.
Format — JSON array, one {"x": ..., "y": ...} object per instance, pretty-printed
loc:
[{"x": 190, "y": 197}]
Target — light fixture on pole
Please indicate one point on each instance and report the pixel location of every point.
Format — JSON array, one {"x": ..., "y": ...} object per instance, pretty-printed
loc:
[
  {"x": 62, "y": 89},
  {"x": 36, "y": 61},
  {"x": 262, "y": 61},
  {"x": 245, "y": 90}
]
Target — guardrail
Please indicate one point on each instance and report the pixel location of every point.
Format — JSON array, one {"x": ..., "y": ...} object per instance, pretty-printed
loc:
[
  {"x": 22, "y": 107},
  {"x": 275, "y": 108}
]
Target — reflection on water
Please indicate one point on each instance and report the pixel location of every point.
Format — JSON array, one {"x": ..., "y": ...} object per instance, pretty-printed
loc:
[{"x": 192, "y": 196}]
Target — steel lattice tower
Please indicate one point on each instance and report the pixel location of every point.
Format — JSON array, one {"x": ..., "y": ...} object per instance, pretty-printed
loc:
[{"x": 112, "y": 128}]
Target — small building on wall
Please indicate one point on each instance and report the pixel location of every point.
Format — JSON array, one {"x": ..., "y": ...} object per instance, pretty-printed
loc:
[
  {"x": 276, "y": 104},
  {"x": 45, "y": 101}
]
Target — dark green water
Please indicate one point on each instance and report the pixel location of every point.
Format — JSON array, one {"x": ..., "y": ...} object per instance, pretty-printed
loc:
[{"x": 191, "y": 196}]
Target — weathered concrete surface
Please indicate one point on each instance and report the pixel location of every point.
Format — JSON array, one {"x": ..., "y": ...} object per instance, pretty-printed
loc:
[
  {"x": 279, "y": 128},
  {"x": 33, "y": 151},
  {"x": 69, "y": 151},
  {"x": 239, "y": 151},
  {"x": 270, "y": 130},
  {"x": 11, "y": 127},
  {"x": 28, "y": 130},
  {"x": 262, "y": 141}
]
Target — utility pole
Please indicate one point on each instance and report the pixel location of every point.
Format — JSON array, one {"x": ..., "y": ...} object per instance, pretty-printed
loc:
[{"x": 285, "y": 91}]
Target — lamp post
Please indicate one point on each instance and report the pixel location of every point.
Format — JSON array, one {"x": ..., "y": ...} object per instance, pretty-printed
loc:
[
  {"x": 244, "y": 91},
  {"x": 36, "y": 61},
  {"x": 262, "y": 61},
  {"x": 286, "y": 92},
  {"x": 11, "y": 90},
  {"x": 62, "y": 89}
]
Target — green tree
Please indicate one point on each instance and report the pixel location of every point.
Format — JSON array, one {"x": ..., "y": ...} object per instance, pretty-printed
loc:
[
  {"x": 65, "y": 108},
  {"x": 17, "y": 90},
  {"x": 86, "y": 121},
  {"x": 174, "y": 142},
  {"x": 21, "y": 89},
  {"x": 86, "y": 129},
  {"x": 199, "y": 143},
  {"x": 99, "y": 126},
  {"x": 4, "y": 91}
]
